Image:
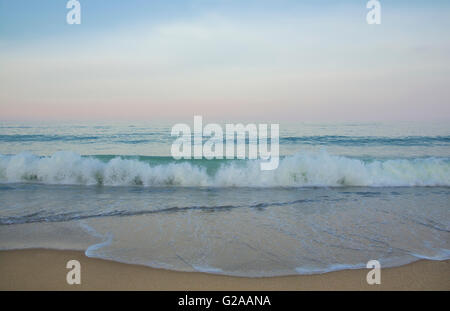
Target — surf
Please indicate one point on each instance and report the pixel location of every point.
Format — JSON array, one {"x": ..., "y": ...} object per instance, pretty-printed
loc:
[{"x": 299, "y": 170}]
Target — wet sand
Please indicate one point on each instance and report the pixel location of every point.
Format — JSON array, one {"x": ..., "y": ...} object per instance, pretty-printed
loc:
[{"x": 39, "y": 269}]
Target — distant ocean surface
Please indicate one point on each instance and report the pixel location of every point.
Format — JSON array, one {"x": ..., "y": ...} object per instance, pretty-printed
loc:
[{"x": 343, "y": 194}]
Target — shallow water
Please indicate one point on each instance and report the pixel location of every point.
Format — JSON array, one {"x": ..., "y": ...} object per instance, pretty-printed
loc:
[{"x": 236, "y": 231}]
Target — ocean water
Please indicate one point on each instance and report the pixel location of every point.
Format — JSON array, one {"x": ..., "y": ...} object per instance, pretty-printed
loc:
[{"x": 343, "y": 194}]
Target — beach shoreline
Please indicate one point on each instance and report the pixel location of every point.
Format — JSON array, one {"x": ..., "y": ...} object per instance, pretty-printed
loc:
[{"x": 43, "y": 269}]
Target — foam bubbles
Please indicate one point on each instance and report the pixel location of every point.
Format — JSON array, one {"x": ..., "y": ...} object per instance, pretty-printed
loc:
[{"x": 299, "y": 170}]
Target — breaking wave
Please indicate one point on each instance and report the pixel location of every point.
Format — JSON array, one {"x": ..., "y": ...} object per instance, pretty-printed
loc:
[{"x": 300, "y": 170}]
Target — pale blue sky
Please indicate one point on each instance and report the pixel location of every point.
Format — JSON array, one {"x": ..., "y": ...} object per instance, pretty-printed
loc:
[{"x": 294, "y": 60}]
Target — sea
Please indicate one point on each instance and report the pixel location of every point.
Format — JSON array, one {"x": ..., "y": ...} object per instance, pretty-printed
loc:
[{"x": 342, "y": 195}]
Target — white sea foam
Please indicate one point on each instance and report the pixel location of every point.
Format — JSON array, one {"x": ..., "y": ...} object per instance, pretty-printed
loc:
[
  {"x": 207, "y": 269},
  {"x": 330, "y": 268},
  {"x": 300, "y": 170}
]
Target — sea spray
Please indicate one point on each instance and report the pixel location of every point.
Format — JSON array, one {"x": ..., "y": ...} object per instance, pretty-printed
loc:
[{"x": 299, "y": 170}]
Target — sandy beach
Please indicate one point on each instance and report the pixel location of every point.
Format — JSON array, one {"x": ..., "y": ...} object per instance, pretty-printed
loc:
[{"x": 39, "y": 269}]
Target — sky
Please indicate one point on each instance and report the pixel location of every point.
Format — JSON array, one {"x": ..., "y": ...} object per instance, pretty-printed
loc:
[{"x": 312, "y": 60}]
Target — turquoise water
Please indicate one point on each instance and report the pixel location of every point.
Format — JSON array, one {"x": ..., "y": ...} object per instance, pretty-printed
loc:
[
  {"x": 343, "y": 194},
  {"x": 153, "y": 138}
]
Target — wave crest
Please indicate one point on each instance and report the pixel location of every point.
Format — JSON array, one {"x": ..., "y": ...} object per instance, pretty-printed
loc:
[{"x": 300, "y": 170}]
